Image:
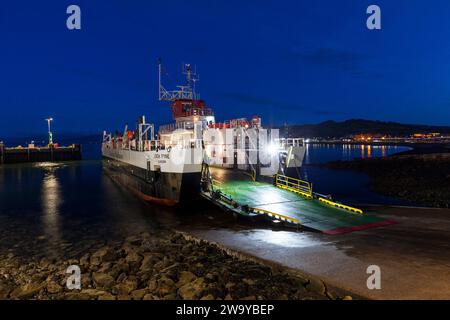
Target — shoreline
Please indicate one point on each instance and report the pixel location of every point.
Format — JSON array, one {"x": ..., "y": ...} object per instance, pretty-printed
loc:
[
  {"x": 414, "y": 175},
  {"x": 168, "y": 265},
  {"x": 420, "y": 237}
]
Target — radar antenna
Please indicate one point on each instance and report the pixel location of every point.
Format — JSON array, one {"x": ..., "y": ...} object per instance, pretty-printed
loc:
[{"x": 186, "y": 92}]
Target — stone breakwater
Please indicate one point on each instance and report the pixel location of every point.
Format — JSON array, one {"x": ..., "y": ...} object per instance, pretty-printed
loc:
[
  {"x": 420, "y": 178},
  {"x": 169, "y": 265}
]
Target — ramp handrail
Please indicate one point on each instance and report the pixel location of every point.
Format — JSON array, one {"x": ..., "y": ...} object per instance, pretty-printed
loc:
[
  {"x": 300, "y": 186},
  {"x": 341, "y": 206},
  {"x": 275, "y": 215}
]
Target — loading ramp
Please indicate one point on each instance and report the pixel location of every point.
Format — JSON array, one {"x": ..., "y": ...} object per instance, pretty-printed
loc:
[{"x": 288, "y": 201}]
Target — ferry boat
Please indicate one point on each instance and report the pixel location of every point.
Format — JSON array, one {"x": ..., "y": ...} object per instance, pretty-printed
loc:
[{"x": 167, "y": 167}]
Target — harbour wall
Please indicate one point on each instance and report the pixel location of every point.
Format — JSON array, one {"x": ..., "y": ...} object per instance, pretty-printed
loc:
[{"x": 22, "y": 155}]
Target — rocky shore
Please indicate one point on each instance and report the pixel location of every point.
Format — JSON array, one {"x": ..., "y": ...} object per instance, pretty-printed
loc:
[
  {"x": 423, "y": 179},
  {"x": 167, "y": 265}
]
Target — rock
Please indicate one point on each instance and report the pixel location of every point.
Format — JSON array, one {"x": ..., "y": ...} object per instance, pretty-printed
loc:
[
  {"x": 84, "y": 260},
  {"x": 135, "y": 240},
  {"x": 171, "y": 296},
  {"x": 121, "y": 277},
  {"x": 133, "y": 259},
  {"x": 5, "y": 289},
  {"x": 147, "y": 245},
  {"x": 93, "y": 293},
  {"x": 27, "y": 291},
  {"x": 53, "y": 287},
  {"x": 107, "y": 296},
  {"x": 198, "y": 269},
  {"x": 104, "y": 254},
  {"x": 152, "y": 285},
  {"x": 252, "y": 298},
  {"x": 126, "y": 287},
  {"x": 216, "y": 289},
  {"x": 208, "y": 297},
  {"x": 103, "y": 280},
  {"x": 76, "y": 296},
  {"x": 120, "y": 267},
  {"x": 316, "y": 286},
  {"x": 192, "y": 290},
  {"x": 347, "y": 298},
  {"x": 185, "y": 277},
  {"x": 212, "y": 277},
  {"x": 44, "y": 263},
  {"x": 229, "y": 286},
  {"x": 148, "y": 297},
  {"x": 138, "y": 294},
  {"x": 86, "y": 280},
  {"x": 228, "y": 297},
  {"x": 249, "y": 282},
  {"x": 147, "y": 262},
  {"x": 165, "y": 286}
]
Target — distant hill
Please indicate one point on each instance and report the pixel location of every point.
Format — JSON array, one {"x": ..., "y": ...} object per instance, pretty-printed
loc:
[{"x": 333, "y": 129}]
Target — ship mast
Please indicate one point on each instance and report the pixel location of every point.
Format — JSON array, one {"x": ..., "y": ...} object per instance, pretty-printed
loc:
[{"x": 185, "y": 92}]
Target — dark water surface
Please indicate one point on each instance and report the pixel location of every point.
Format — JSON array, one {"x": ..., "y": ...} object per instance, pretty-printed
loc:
[
  {"x": 65, "y": 208},
  {"x": 49, "y": 209},
  {"x": 345, "y": 185}
]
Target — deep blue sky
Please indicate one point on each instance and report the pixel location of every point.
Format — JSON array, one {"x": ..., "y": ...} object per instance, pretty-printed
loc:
[{"x": 288, "y": 61}]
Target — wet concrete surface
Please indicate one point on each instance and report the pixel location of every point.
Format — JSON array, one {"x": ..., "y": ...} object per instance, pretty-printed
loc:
[{"x": 414, "y": 255}]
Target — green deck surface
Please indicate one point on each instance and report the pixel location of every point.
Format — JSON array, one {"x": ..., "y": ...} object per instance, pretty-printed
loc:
[{"x": 311, "y": 213}]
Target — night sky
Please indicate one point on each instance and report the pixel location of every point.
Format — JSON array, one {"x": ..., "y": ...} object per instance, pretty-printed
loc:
[{"x": 287, "y": 61}]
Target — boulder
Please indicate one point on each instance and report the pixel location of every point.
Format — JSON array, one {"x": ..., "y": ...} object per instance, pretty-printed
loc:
[
  {"x": 138, "y": 294},
  {"x": 104, "y": 254},
  {"x": 27, "y": 291},
  {"x": 185, "y": 277},
  {"x": 133, "y": 259},
  {"x": 165, "y": 286},
  {"x": 192, "y": 290},
  {"x": 53, "y": 287},
  {"x": 5, "y": 289},
  {"x": 103, "y": 280},
  {"x": 107, "y": 296},
  {"x": 147, "y": 262},
  {"x": 126, "y": 287}
]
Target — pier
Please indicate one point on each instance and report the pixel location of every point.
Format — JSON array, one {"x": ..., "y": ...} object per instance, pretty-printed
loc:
[{"x": 39, "y": 154}]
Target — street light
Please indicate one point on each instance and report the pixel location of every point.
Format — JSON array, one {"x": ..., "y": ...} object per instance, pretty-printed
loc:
[{"x": 50, "y": 135}]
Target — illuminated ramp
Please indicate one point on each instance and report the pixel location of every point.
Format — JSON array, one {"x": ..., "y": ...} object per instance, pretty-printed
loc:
[{"x": 294, "y": 199}]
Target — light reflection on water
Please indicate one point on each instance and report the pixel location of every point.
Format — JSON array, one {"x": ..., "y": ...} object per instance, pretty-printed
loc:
[
  {"x": 76, "y": 206},
  {"x": 345, "y": 185},
  {"x": 322, "y": 153},
  {"x": 50, "y": 210},
  {"x": 51, "y": 201}
]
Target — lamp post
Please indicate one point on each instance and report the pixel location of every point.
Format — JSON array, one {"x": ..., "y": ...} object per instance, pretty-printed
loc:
[{"x": 50, "y": 135}]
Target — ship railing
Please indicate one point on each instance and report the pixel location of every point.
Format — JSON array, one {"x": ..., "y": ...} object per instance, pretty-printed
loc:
[
  {"x": 290, "y": 142},
  {"x": 186, "y": 144},
  {"x": 153, "y": 145},
  {"x": 301, "y": 187},
  {"x": 203, "y": 112},
  {"x": 168, "y": 128}
]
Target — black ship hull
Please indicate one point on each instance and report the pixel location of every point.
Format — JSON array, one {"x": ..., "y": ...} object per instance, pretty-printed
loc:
[{"x": 154, "y": 186}]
